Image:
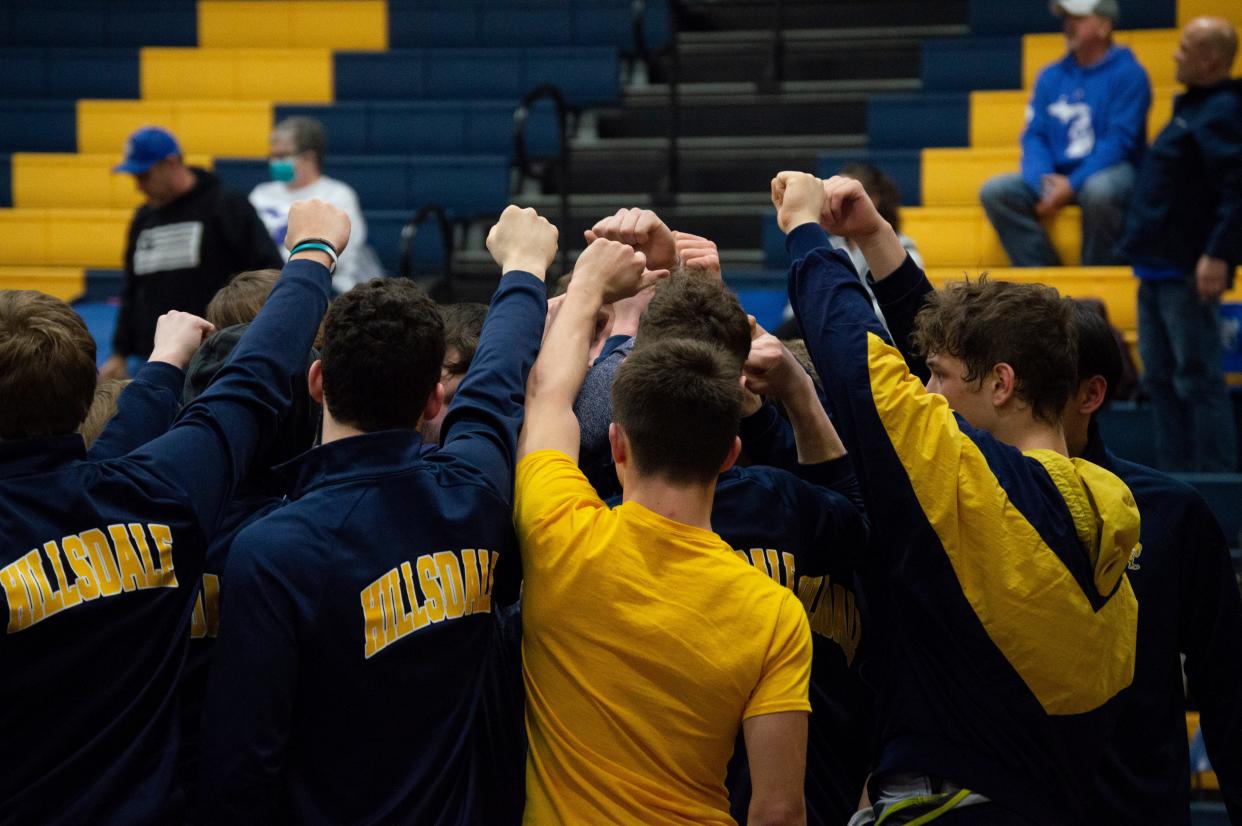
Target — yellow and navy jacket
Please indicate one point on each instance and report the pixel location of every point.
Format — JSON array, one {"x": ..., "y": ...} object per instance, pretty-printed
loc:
[
  {"x": 355, "y": 620},
  {"x": 1002, "y": 624},
  {"x": 99, "y": 567}
]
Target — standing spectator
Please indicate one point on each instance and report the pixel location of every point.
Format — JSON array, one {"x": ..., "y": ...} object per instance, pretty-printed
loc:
[
  {"x": 1184, "y": 238},
  {"x": 184, "y": 243},
  {"x": 297, "y": 150},
  {"x": 1085, "y": 133}
]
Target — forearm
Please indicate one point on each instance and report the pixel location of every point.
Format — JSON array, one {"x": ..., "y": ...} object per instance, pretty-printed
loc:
[
  {"x": 883, "y": 251},
  {"x": 144, "y": 411},
  {"x": 816, "y": 439}
]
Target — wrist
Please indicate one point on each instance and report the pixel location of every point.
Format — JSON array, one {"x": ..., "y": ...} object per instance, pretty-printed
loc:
[
  {"x": 533, "y": 266},
  {"x": 797, "y": 219},
  {"x": 800, "y": 390},
  {"x": 318, "y": 256},
  {"x": 171, "y": 358}
]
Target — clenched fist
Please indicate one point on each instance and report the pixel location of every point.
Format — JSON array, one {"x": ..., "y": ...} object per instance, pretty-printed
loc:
[
  {"x": 770, "y": 369},
  {"x": 848, "y": 210},
  {"x": 522, "y": 240},
  {"x": 798, "y": 198},
  {"x": 643, "y": 230},
  {"x": 614, "y": 269},
  {"x": 698, "y": 254},
  {"x": 317, "y": 219},
  {"x": 178, "y": 335}
]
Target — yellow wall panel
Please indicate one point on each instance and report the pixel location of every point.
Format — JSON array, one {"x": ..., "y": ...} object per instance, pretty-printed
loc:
[
  {"x": 1154, "y": 49},
  {"x": 64, "y": 237},
  {"x": 232, "y": 128},
  {"x": 335, "y": 24},
  {"x": 45, "y": 180},
  {"x": 65, "y": 283},
  {"x": 286, "y": 75},
  {"x": 998, "y": 118},
  {"x": 1187, "y": 10}
]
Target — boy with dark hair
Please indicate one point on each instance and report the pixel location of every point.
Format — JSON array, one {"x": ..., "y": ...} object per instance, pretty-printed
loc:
[
  {"x": 371, "y": 588},
  {"x": 463, "y": 323},
  {"x": 101, "y": 560},
  {"x": 705, "y": 641},
  {"x": 1004, "y": 626},
  {"x": 239, "y": 301},
  {"x": 693, "y": 307}
]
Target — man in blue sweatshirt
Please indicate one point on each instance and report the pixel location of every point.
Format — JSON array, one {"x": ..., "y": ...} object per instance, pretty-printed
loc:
[
  {"x": 101, "y": 560},
  {"x": 356, "y": 622},
  {"x": 1085, "y": 133},
  {"x": 1184, "y": 239}
]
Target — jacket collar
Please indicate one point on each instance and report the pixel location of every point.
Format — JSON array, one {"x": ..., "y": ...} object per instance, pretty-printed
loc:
[
  {"x": 1096, "y": 451},
  {"x": 23, "y": 457},
  {"x": 357, "y": 457}
]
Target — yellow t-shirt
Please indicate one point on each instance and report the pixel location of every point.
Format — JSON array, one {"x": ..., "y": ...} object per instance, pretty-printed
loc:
[{"x": 645, "y": 644}]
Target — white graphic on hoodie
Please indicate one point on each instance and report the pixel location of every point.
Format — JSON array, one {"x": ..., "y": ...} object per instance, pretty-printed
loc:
[{"x": 1081, "y": 134}]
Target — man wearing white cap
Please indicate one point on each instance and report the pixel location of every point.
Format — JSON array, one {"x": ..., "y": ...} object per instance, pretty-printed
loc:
[{"x": 1085, "y": 135}]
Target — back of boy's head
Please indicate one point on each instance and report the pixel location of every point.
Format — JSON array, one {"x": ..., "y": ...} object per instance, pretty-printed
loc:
[
  {"x": 1098, "y": 354},
  {"x": 240, "y": 300},
  {"x": 679, "y": 403},
  {"x": 47, "y": 366},
  {"x": 103, "y": 408},
  {"x": 463, "y": 324},
  {"x": 688, "y": 306},
  {"x": 382, "y": 353},
  {"x": 1030, "y": 327}
]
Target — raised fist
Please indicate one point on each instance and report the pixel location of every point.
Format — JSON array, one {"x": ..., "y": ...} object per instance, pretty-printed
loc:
[
  {"x": 616, "y": 270},
  {"x": 698, "y": 253},
  {"x": 770, "y": 369},
  {"x": 178, "y": 335},
  {"x": 316, "y": 219},
  {"x": 522, "y": 240},
  {"x": 798, "y": 198},
  {"x": 643, "y": 230},
  {"x": 848, "y": 210}
]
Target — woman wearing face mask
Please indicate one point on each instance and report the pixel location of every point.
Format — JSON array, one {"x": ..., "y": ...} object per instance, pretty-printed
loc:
[{"x": 297, "y": 148}]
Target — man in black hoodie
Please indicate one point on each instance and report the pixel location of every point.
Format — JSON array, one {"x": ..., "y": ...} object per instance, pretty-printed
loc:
[
  {"x": 1184, "y": 239},
  {"x": 184, "y": 243}
]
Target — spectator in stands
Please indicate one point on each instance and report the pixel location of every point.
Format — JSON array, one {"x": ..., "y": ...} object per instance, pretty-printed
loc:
[
  {"x": 1184, "y": 239},
  {"x": 1191, "y": 612},
  {"x": 297, "y": 147},
  {"x": 1004, "y": 627},
  {"x": 183, "y": 245},
  {"x": 463, "y": 323},
  {"x": 1085, "y": 133}
]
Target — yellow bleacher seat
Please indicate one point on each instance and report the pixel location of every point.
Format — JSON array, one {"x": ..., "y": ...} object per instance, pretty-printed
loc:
[
  {"x": 47, "y": 180},
  {"x": 64, "y": 237},
  {"x": 335, "y": 24},
  {"x": 286, "y": 75},
  {"x": 953, "y": 177},
  {"x": 962, "y": 236},
  {"x": 1154, "y": 48},
  {"x": 1115, "y": 286},
  {"x": 230, "y": 128},
  {"x": 998, "y": 118},
  {"x": 1187, "y": 10},
  {"x": 66, "y": 283}
]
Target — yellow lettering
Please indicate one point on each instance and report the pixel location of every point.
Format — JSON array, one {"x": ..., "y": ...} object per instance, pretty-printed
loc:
[
  {"x": 833, "y": 612},
  {"x": 162, "y": 536},
  {"x": 66, "y": 593},
  {"x": 418, "y": 612},
  {"x": 198, "y": 619},
  {"x": 21, "y": 606},
  {"x": 133, "y": 575},
  {"x": 102, "y": 561},
  {"x": 85, "y": 580},
  {"x": 32, "y": 568},
  {"x": 469, "y": 564},
  {"x": 774, "y": 564},
  {"x": 790, "y": 568},
  {"x": 450, "y": 579},
  {"x": 757, "y": 560},
  {"x": 433, "y": 597},
  {"x": 403, "y": 620},
  {"x": 211, "y": 603},
  {"x": 372, "y": 620}
]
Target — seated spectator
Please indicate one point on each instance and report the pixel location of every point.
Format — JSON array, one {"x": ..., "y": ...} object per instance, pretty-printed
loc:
[
  {"x": 1184, "y": 239},
  {"x": 183, "y": 244},
  {"x": 297, "y": 147},
  {"x": 1085, "y": 133}
]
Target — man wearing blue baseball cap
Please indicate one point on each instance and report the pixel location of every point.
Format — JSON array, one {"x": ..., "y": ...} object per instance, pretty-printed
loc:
[{"x": 185, "y": 242}]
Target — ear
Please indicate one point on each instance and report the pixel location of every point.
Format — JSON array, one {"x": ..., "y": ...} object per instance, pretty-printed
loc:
[
  {"x": 1003, "y": 384},
  {"x": 434, "y": 402},
  {"x": 314, "y": 381},
  {"x": 619, "y": 446},
  {"x": 1091, "y": 395},
  {"x": 735, "y": 450}
]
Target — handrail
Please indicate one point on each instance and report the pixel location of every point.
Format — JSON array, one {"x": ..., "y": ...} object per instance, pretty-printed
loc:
[
  {"x": 775, "y": 74},
  {"x": 438, "y": 290},
  {"x": 638, "y": 14},
  {"x": 520, "y": 117},
  {"x": 671, "y": 185}
]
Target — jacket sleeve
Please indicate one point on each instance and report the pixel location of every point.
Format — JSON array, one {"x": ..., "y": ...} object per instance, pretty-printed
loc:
[
  {"x": 1221, "y": 144},
  {"x": 768, "y": 438},
  {"x": 123, "y": 336},
  {"x": 1125, "y": 125},
  {"x": 832, "y": 510},
  {"x": 144, "y": 410},
  {"x": 483, "y": 421},
  {"x": 901, "y": 296},
  {"x": 1037, "y": 158},
  {"x": 1211, "y": 627},
  {"x": 248, "y": 708},
  {"x": 214, "y": 442}
]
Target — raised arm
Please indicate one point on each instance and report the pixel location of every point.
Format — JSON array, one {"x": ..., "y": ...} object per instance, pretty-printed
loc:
[{"x": 771, "y": 370}]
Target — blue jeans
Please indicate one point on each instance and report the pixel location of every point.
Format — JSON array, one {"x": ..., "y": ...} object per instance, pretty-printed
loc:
[
  {"x": 1104, "y": 198},
  {"x": 1179, "y": 342}
]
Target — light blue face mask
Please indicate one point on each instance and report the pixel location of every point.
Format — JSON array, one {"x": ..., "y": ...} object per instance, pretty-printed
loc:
[{"x": 281, "y": 169}]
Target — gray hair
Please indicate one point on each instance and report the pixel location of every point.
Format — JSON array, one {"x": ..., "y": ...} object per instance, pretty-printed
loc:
[{"x": 307, "y": 135}]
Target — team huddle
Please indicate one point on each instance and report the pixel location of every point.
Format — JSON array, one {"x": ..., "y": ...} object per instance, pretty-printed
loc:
[{"x": 618, "y": 556}]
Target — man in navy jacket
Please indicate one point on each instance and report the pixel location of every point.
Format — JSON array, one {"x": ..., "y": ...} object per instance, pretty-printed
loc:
[
  {"x": 356, "y": 623},
  {"x": 101, "y": 560}
]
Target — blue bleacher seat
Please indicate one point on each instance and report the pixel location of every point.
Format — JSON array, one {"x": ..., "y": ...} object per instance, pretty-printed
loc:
[
  {"x": 908, "y": 121},
  {"x": 38, "y": 126},
  {"x": 6, "y": 181},
  {"x": 93, "y": 23},
  {"x": 69, "y": 74},
  {"x": 962, "y": 64},
  {"x": 384, "y": 236},
  {"x": 990, "y": 17},
  {"x": 585, "y": 75},
  {"x": 904, "y": 166}
]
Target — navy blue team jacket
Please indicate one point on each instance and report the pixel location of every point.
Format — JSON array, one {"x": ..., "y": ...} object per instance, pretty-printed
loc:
[
  {"x": 98, "y": 573},
  {"x": 356, "y": 619}
]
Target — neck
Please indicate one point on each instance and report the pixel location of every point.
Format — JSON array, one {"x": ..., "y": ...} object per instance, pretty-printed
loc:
[
  {"x": 1025, "y": 433},
  {"x": 1076, "y": 438},
  {"x": 303, "y": 180},
  {"x": 1091, "y": 54},
  {"x": 335, "y": 431},
  {"x": 184, "y": 182},
  {"x": 689, "y": 504}
]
